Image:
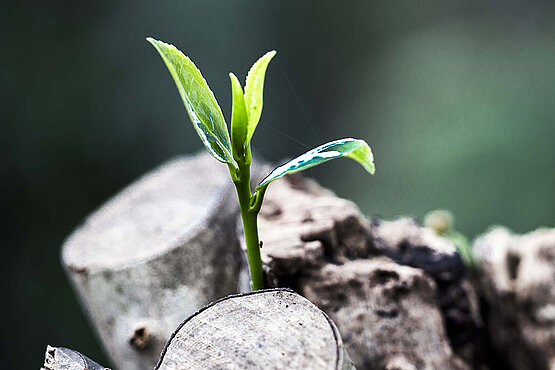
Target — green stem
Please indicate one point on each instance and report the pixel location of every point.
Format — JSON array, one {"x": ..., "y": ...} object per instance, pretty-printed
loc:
[{"x": 249, "y": 216}]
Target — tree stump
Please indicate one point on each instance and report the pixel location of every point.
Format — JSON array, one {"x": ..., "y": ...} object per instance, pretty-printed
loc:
[
  {"x": 269, "y": 329},
  {"x": 154, "y": 254}
]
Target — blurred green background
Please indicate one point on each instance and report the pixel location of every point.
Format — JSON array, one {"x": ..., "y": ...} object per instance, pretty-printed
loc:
[{"x": 457, "y": 100}]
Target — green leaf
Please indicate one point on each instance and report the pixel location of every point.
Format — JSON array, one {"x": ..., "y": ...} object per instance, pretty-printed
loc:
[
  {"x": 352, "y": 148},
  {"x": 201, "y": 105},
  {"x": 239, "y": 122},
  {"x": 254, "y": 88}
]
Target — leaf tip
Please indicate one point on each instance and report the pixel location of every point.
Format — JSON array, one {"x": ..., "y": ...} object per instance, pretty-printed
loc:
[
  {"x": 269, "y": 56},
  {"x": 235, "y": 82}
]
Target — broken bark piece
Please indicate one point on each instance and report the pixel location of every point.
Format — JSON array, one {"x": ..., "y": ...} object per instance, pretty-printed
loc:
[
  {"x": 154, "y": 254},
  {"x": 268, "y": 329},
  {"x": 388, "y": 314},
  {"x": 517, "y": 281},
  {"x": 60, "y": 358},
  {"x": 407, "y": 243},
  {"x": 410, "y": 244}
]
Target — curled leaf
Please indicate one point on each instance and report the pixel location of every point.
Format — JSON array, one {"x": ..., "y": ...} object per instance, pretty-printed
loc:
[
  {"x": 239, "y": 121},
  {"x": 201, "y": 105},
  {"x": 355, "y": 149},
  {"x": 254, "y": 88}
]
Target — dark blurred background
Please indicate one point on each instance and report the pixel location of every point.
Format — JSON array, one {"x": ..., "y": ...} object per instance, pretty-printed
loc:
[{"x": 457, "y": 100}]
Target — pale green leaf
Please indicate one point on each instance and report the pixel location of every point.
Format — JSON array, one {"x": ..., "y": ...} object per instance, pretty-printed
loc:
[
  {"x": 239, "y": 122},
  {"x": 201, "y": 105},
  {"x": 254, "y": 89},
  {"x": 352, "y": 148}
]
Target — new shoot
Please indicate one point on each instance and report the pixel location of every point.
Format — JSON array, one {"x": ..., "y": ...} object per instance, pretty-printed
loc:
[{"x": 235, "y": 150}]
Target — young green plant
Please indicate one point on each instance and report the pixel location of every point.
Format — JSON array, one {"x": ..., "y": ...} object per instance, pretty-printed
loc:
[
  {"x": 443, "y": 222},
  {"x": 235, "y": 151}
]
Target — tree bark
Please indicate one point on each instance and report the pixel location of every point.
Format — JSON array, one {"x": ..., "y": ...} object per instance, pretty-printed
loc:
[{"x": 267, "y": 329}]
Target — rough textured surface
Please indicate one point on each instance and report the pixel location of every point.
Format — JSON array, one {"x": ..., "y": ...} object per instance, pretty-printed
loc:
[
  {"x": 388, "y": 314},
  {"x": 517, "y": 280},
  {"x": 273, "y": 329},
  {"x": 154, "y": 254},
  {"x": 59, "y": 358},
  {"x": 307, "y": 230},
  {"x": 302, "y": 226},
  {"x": 408, "y": 243}
]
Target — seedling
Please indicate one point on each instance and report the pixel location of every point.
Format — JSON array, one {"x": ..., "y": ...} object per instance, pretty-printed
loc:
[
  {"x": 443, "y": 222},
  {"x": 235, "y": 151}
]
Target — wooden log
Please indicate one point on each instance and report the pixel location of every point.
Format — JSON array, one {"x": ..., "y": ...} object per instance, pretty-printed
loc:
[
  {"x": 60, "y": 358},
  {"x": 154, "y": 254},
  {"x": 269, "y": 329}
]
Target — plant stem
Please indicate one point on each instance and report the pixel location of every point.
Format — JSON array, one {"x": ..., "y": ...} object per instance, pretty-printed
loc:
[{"x": 249, "y": 216}]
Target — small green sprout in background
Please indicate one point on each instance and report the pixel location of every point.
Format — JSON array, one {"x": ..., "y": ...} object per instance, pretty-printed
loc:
[
  {"x": 235, "y": 151},
  {"x": 442, "y": 222}
]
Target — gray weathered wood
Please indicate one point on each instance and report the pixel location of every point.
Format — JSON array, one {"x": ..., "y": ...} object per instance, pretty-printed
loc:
[
  {"x": 299, "y": 223},
  {"x": 271, "y": 329},
  {"x": 517, "y": 285},
  {"x": 60, "y": 358},
  {"x": 324, "y": 248},
  {"x": 388, "y": 314},
  {"x": 154, "y": 254}
]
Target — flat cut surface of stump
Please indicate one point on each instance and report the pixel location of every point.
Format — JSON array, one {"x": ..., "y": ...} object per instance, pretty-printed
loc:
[
  {"x": 144, "y": 219},
  {"x": 271, "y": 329}
]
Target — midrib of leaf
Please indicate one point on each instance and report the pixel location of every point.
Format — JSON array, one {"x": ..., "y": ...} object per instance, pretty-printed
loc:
[{"x": 355, "y": 149}]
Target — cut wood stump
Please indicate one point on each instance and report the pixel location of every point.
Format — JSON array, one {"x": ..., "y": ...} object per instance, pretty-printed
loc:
[
  {"x": 269, "y": 329},
  {"x": 60, "y": 358},
  {"x": 154, "y": 254}
]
